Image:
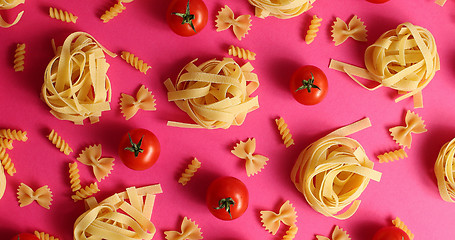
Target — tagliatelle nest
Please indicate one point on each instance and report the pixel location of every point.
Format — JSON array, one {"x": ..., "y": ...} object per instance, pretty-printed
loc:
[{"x": 215, "y": 94}]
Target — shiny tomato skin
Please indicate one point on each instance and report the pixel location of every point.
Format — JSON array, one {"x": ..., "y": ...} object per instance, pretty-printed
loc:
[
  {"x": 222, "y": 188},
  {"x": 315, "y": 95},
  {"x": 197, "y": 8},
  {"x": 378, "y": 1},
  {"x": 25, "y": 236},
  {"x": 150, "y": 145},
  {"x": 390, "y": 233}
]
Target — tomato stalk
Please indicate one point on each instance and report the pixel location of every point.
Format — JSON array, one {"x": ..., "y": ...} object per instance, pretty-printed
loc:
[
  {"x": 135, "y": 147},
  {"x": 226, "y": 203},
  {"x": 308, "y": 84},
  {"x": 187, "y": 17}
]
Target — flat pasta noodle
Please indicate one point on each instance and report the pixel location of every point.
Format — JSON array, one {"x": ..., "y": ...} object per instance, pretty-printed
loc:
[
  {"x": 355, "y": 30},
  {"x": 2, "y": 181},
  {"x": 271, "y": 220},
  {"x": 313, "y": 29},
  {"x": 241, "y": 53},
  {"x": 284, "y": 132},
  {"x": 240, "y": 25},
  {"x": 9, "y": 4},
  {"x": 402, "y": 134},
  {"x": 333, "y": 171},
  {"x": 86, "y": 192},
  {"x": 189, "y": 171},
  {"x": 91, "y": 156},
  {"x": 13, "y": 134},
  {"x": 6, "y": 162},
  {"x": 76, "y": 86},
  {"x": 337, "y": 234},
  {"x": 19, "y": 56},
  {"x": 392, "y": 156},
  {"x": 26, "y": 195},
  {"x": 254, "y": 162},
  {"x": 189, "y": 231},
  {"x": 283, "y": 9},
  {"x": 215, "y": 94},
  {"x": 144, "y": 100},
  {"x": 44, "y": 236},
  {"x": 59, "y": 143},
  {"x": 440, "y": 2},
  {"x": 444, "y": 169},
  {"x": 400, "y": 224},
  {"x": 62, "y": 15}
]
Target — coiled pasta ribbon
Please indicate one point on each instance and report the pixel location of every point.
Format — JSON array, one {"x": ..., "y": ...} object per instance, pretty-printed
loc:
[
  {"x": 281, "y": 8},
  {"x": 241, "y": 53},
  {"x": 313, "y": 29},
  {"x": 44, "y": 236},
  {"x": 19, "y": 57},
  {"x": 135, "y": 62},
  {"x": 61, "y": 144},
  {"x": 7, "y": 163},
  {"x": 74, "y": 177},
  {"x": 189, "y": 171},
  {"x": 9, "y": 4},
  {"x": 284, "y": 132},
  {"x": 444, "y": 169},
  {"x": 333, "y": 171},
  {"x": 14, "y": 134},
  {"x": 85, "y": 192},
  {"x": 61, "y": 15}
]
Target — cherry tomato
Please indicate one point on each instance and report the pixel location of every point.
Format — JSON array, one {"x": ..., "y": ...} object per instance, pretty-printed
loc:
[
  {"x": 377, "y": 1},
  {"x": 227, "y": 198},
  {"x": 309, "y": 85},
  {"x": 390, "y": 233},
  {"x": 139, "y": 149},
  {"x": 187, "y": 17},
  {"x": 25, "y": 236}
]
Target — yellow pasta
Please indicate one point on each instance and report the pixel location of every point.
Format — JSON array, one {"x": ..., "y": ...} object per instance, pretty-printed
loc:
[
  {"x": 400, "y": 224},
  {"x": 281, "y": 8},
  {"x": 254, "y": 162},
  {"x": 42, "y": 196},
  {"x": 44, "y": 236},
  {"x": 61, "y": 144},
  {"x": 85, "y": 192},
  {"x": 114, "y": 10},
  {"x": 291, "y": 232},
  {"x": 2, "y": 181},
  {"x": 7, "y": 163},
  {"x": 135, "y": 62},
  {"x": 440, "y": 2},
  {"x": 402, "y": 134},
  {"x": 241, "y": 53},
  {"x": 341, "y": 31},
  {"x": 189, "y": 171},
  {"x": 189, "y": 231},
  {"x": 444, "y": 169},
  {"x": 13, "y": 134},
  {"x": 61, "y": 15},
  {"x": 6, "y": 143},
  {"x": 19, "y": 57},
  {"x": 240, "y": 25},
  {"x": 284, "y": 132},
  {"x": 271, "y": 220},
  {"x": 392, "y": 156},
  {"x": 144, "y": 100},
  {"x": 313, "y": 29},
  {"x": 9, "y": 4},
  {"x": 91, "y": 156},
  {"x": 337, "y": 234},
  {"x": 74, "y": 177}
]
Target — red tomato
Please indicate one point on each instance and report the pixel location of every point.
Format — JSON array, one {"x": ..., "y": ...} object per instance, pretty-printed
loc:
[
  {"x": 309, "y": 85},
  {"x": 139, "y": 149},
  {"x": 377, "y": 1},
  {"x": 25, "y": 236},
  {"x": 187, "y": 17},
  {"x": 390, "y": 233},
  {"x": 227, "y": 198}
]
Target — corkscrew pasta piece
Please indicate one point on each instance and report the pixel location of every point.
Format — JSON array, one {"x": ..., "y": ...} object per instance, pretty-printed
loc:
[
  {"x": 6, "y": 143},
  {"x": 271, "y": 220},
  {"x": 283, "y": 9},
  {"x": 392, "y": 156},
  {"x": 91, "y": 156},
  {"x": 76, "y": 86},
  {"x": 144, "y": 100},
  {"x": 14, "y": 134},
  {"x": 189, "y": 171},
  {"x": 74, "y": 177},
  {"x": 240, "y": 25},
  {"x": 86, "y": 192},
  {"x": 241, "y": 53},
  {"x": 61, "y": 144},
  {"x": 404, "y": 59},
  {"x": 440, "y": 2},
  {"x": 2, "y": 181},
  {"x": 62, "y": 15},
  {"x": 7, "y": 163},
  {"x": 313, "y": 29},
  {"x": 284, "y": 132},
  {"x": 9, "y": 4},
  {"x": 114, "y": 10},
  {"x": 402, "y": 134},
  {"x": 44, "y": 236},
  {"x": 355, "y": 30},
  {"x": 135, "y": 62},
  {"x": 42, "y": 196},
  {"x": 254, "y": 162},
  {"x": 19, "y": 57},
  {"x": 291, "y": 232},
  {"x": 337, "y": 234},
  {"x": 400, "y": 224},
  {"x": 189, "y": 231},
  {"x": 327, "y": 167}
]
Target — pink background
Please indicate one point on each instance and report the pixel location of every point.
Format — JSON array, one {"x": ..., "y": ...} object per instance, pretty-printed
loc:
[{"x": 407, "y": 189}]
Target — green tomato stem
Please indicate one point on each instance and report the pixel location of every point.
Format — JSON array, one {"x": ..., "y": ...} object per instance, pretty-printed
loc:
[
  {"x": 308, "y": 84},
  {"x": 226, "y": 203},
  {"x": 135, "y": 147},
  {"x": 187, "y": 17}
]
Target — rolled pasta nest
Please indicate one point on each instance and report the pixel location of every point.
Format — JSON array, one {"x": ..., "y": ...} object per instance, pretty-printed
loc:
[
  {"x": 76, "y": 86},
  {"x": 281, "y": 8},
  {"x": 214, "y": 94},
  {"x": 444, "y": 170}
]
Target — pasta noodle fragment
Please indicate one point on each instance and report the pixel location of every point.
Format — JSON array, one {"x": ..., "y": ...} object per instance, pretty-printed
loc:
[
  {"x": 313, "y": 29},
  {"x": 61, "y": 15},
  {"x": 86, "y": 192},
  {"x": 271, "y": 220},
  {"x": 189, "y": 231},
  {"x": 9, "y": 4},
  {"x": 74, "y": 177},
  {"x": 333, "y": 171},
  {"x": 284, "y": 132},
  {"x": 241, "y": 53},
  {"x": 91, "y": 156},
  {"x": 6, "y": 143},
  {"x": 42, "y": 196},
  {"x": 215, "y": 94},
  {"x": 444, "y": 168},
  {"x": 7, "y": 163},
  {"x": 291, "y": 232},
  {"x": 61, "y": 144},
  {"x": 254, "y": 162},
  {"x": 402, "y": 134},
  {"x": 14, "y": 134},
  {"x": 337, "y": 234},
  {"x": 2, "y": 181},
  {"x": 135, "y": 62},
  {"x": 240, "y": 25},
  {"x": 355, "y": 30},
  {"x": 392, "y": 156},
  {"x": 440, "y": 2},
  {"x": 44, "y": 236},
  {"x": 400, "y": 224},
  {"x": 144, "y": 100},
  {"x": 190, "y": 171},
  {"x": 283, "y": 9},
  {"x": 19, "y": 56}
]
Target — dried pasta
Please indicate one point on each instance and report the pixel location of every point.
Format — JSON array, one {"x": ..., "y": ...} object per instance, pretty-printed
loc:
[
  {"x": 291, "y": 232},
  {"x": 14, "y": 134},
  {"x": 215, "y": 94},
  {"x": 271, "y": 220},
  {"x": 313, "y": 29},
  {"x": 74, "y": 177},
  {"x": 189, "y": 231},
  {"x": 61, "y": 15},
  {"x": 404, "y": 59},
  {"x": 144, "y": 100},
  {"x": 355, "y": 30},
  {"x": 6, "y": 143},
  {"x": 114, "y": 11},
  {"x": 241, "y": 53},
  {"x": 117, "y": 218},
  {"x": 440, "y": 2},
  {"x": 240, "y": 25},
  {"x": 402, "y": 134},
  {"x": 284, "y": 132},
  {"x": 76, "y": 86},
  {"x": 281, "y": 8},
  {"x": 392, "y": 156},
  {"x": 333, "y": 171},
  {"x": 91, "y": 156},
  {"x": 337, "y": 234},
  {"x": 86, "y": 192},
  {"x": 61, "y": 144},
  {"x": 400, "y": 224},
  {"x": 7, "y": 163},
  {"x": 44, "y": 236},
  {"x": 444, "y": 168},
  {"x": 9, "y": 4},
  {"x": 189, "y": 171},
  {"x": 2, "y": 181},
  {"x": 19, "y": 57},
  {"x": 42, "y": 196},
  {"x": 135, "y": 62},
  {"x": 254, "y": 162}
]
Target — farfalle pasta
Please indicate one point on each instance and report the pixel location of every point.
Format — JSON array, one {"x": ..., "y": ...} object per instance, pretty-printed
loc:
[
  {"x": 62, "y": 15},
  {"x": 337, "y": 234},
  {"x": 240, "y": 25},
  {"x": 214, "y": 94},
  {"x": 189, "y": 231},
  {"x": 355, "y": 30},
  {"x": 281, "y": 8},
  {"x": 402, "y": 134},
  {"x": 271, "y": 220},
  {"x": 9, "y": 4},
  {"x": 313, "y": 29},
  {"x": 254, "y": 162},
  {"x": 19, "y": 57},
  {"x": 76, "y": 86},
  {"x": 42, "y": 196},
  {"x": 284, "y": 132},
  {"x": 392, "y": 156},
  {"x": 144, "y": 100},
  {"x": 7, "y": 163},
  {"x": 333, "y": 171},
  {"x": 190, "y": 171},
  {"x": 444, "y": 169},
  {"x": 91, "y": 156}
]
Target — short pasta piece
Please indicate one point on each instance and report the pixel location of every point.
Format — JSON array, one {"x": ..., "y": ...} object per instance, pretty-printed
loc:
[
  {"x": 271, "y": 220},
  {"x": 443, "y": 169},
  {"x": 240, "y": 25},
  {"x": 62, "y": 15},
  {"x": 7, "y": 163},
  {"x": 135, "y": 62},
  {"x": 283, "y": 9},
  {"x": 2, "y": 181},
  {"x": 284, "y": 132},
  {"x": 189, "y": 231},
  {"x": 42, "y": 196},
  {"x": 313, "y": 29},
  {"x": 19, "y": 57},
  {"x": 392, "y": 156},
  {"x": 74, "y": 177},
  {"x": 44, "y": 236},
  {"x": 61, "y": 144},
  {"x": 189, "y": 171},
  {"x": 254, "y": 162},
  {"x": 355, "y": 30},
  {"x": 440, "y": 2},
  {"x": 6, "y": 143},
  {"x": 291, "y": 232},
  {"x": 402, "y": 134},
  {"x": 113, "y": 12},
  {"x": 337, "y": 234},
  {"x": 400, "y": 224},
  {"x": 241, "y": 53},
  {"x": 91, "y": 156},
  {"x": 144, "y": 100},
  {"x": 85, "y": 192},
  {"x": 13, "y": 134},
  {"x": 9, "y": 4}
]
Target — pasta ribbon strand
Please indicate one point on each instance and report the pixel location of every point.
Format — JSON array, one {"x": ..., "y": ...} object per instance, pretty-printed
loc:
[
  {"x": 283, "y": 9},
  {"x": 189, "y": 230},
  {"x": 444, "y": 168},
  {"x": 402, "y": 134},
  {"x": 240, "y": 25},
  {"x": 135, "y": 62},
  {"x": 189, "y": 171},
  {"x": 241, "y": 53},
  {"x": 144, "y": 100},
  {"x": 19, "y": 57},
  {"x": 7, "y": 163},
  {"x": 254, "y": 162},
  {"x": 341, "y": 31},
  {"x": 14, "y": 134},
  {"x": 313, "y": 29},
  {"x": 42, "y": 196},
  {"x": 9, "y": 4},
  {"x": 284, "y": 132},
  {"x": 2, "y": 181},
  {"x": 62, "y": 15},
  {"x": 61, "y": 144},
  {"x": 271, "y": 220}
]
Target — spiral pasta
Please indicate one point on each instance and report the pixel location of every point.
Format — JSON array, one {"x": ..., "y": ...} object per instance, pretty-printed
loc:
[
  {"x": 61, "y": 15},
  {"x": 19, "y": 57},
  {"x": 7, "y": 163},
  {"x": 44, "y": 236},
  {"x": 284, "y": 132},
  {"x": 14, "y": 134},
  {"x": 400, "y": 224},
  {"x": 85, "y": 192},
  {"x": 135, "y": 62},
  {"x": 6, "y": 143},
  {"x": 61, "y": 144},
  {"x": 392, "y": 156},
  {"x": 241, "y": 53},
  {"x": 114, "y": 10},
  {"x": 444, "y": 168},
  {"x": 74, "y": 177},
  {"x": 281, "y": 8},
  {"x": 313, "y": 29},
  {"x": 189, "y": 171},
  {"x": 9, "y": 4},
  {"x": 291, "y": 232}
]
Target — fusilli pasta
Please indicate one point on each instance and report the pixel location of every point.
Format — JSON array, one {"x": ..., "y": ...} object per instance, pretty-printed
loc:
[
  {"x": 392, "y": 156},
  {"x": 61, "y": 144},
  {"x": 7, "y": 163},
  {"x": 400, "y": 224},
  {"x": 284, "y": 132},
  {"x": 44, "y": 236},
  {"x": 61, "y": 15},
  {"x": 135, "y": 62},
  {"x": 114, "y": 10},
  {"x": 6, "y": 143},
  {"x": 74, "y": 177},
  {"x": 241, "y": 53},
  {"x": 189, "y": 171},
  {"x": 13, "y": 134},
  {"x": 86, "y": 192},
  {"x": 313, "y": 29},
  {"x": 19, "y": 57},
  {"x": 291, "y": 232}
]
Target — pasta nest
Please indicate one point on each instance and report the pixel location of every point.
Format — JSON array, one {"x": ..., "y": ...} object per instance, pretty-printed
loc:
[
  {"x": 76, "y": 86},
  {"x": 444, "y": 169},
  {"x": 404, "y": 59},
  {"x": 283, "y": 9},
  {"x": 215, "y": 94}
]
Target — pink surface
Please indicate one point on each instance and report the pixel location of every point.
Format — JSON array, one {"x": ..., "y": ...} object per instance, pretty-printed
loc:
[{"x": 407, "y": 189}]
